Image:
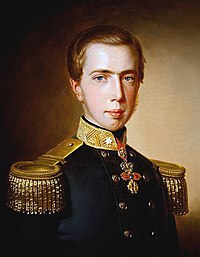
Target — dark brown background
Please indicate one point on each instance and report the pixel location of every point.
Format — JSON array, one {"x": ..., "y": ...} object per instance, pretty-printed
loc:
[{"x": 37, "y": 107}]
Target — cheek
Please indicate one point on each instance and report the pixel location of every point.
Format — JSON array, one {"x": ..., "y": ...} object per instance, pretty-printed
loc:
[
  {"x": 94, "y": 96},
  {"x": 131, "y": 96},
  {"x": 91, "y": 99}
]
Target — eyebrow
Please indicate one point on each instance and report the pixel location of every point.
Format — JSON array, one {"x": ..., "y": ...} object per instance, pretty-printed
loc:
[{"x": 111, "y": 72}]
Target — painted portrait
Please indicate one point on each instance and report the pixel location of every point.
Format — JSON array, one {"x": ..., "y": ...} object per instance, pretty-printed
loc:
[{"x": 39, "y": 108}]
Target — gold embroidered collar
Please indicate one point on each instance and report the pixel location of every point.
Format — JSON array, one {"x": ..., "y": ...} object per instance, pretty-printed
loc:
[{"x": 98, "y": 137}]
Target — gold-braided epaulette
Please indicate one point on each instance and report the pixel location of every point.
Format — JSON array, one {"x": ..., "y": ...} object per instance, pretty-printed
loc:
[
  {"x": 173, "y": 176},
  {"x": 37, "y": 187}
]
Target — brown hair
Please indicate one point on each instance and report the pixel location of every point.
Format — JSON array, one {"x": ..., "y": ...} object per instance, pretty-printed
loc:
[{"x": 106, "y": 34}]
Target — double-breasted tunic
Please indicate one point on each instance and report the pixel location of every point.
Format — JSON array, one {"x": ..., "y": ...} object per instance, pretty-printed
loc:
[{"x": 102, "y": 215}]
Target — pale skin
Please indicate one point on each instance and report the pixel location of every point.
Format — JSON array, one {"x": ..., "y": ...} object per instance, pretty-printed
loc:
[{"x": 109, "y": 85}]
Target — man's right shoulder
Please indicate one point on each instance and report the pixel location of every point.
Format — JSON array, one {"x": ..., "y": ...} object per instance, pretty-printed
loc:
[
  {"x": 37, "y": 187},
  {"x": 58, "y": 153}
]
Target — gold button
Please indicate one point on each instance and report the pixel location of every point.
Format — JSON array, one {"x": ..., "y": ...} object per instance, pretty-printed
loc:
[
  {"x": 132, "y": 154},
  {"x": 154, "y": 235},
  {"x": 151, "y": 204},
  {"x": 104, "y": 153},
  {"x": 115, "y": 178},
  {"x": 146, "y": 178},
  {"x": 70, "y": 144},
  {"x": 127, "y": 233},
  {"x": 122, "y": 206}
]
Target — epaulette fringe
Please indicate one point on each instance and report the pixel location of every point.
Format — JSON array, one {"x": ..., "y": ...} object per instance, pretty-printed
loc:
[
  {"x": 173, "y": 176},
  {"x": 37, "y": 187}
]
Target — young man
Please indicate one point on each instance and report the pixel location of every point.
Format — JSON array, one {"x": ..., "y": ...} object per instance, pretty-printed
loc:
[{"x": 94, "y": 195}]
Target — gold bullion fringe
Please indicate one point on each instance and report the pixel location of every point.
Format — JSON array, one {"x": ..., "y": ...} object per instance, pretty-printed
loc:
[
  {"x": 177, "y": 195},
  {"x": 37, "y": 187},
  {"x": 173, "y": 176},
  {"x": 39, "y": 191}
]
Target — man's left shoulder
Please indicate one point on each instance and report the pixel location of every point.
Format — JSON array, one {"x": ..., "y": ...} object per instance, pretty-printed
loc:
[{"x": 173, "y": 177}]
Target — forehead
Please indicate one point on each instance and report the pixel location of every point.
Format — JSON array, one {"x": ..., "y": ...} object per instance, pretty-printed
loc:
[{"x": 112, "y": 57}]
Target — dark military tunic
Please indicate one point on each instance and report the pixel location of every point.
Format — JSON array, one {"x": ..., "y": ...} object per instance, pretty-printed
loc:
[
  {"x": 105, "y": 216},
  {"x": 102, "y": 217}
]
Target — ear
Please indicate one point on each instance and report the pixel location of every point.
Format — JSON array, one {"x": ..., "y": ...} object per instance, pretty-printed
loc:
[{"x": 76, "y": 89}]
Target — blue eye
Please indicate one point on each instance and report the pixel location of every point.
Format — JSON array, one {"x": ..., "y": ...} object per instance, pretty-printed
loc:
[
  {"x": 129, "y": 79},
  {"x": 99, "y": 78}
]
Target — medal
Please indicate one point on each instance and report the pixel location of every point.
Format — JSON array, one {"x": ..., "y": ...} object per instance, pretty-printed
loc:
[
  {"x": 132, "y": 186},
  {"x": 128, "y": 173}
]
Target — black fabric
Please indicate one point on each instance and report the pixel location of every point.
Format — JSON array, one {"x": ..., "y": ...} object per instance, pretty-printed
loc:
[{"x": 92, "y": 223}]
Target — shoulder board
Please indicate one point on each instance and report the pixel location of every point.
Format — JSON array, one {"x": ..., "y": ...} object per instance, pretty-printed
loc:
[
  {"x": 37, "y": 187},
  {"x": 173, "y": 176},
  {"x": 59, "y": 152}
]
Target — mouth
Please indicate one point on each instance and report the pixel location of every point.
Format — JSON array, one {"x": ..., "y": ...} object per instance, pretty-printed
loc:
[{"x": 116, "y": 113}]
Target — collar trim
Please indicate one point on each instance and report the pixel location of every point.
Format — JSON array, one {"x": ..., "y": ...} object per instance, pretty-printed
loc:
[{"x": 98, "y": 137}]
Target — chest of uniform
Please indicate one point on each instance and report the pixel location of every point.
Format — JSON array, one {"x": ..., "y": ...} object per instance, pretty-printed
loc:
[{"x": 103, "y": 177}]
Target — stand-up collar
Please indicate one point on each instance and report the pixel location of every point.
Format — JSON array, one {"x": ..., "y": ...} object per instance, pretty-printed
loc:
[{"x": 98, "y": 137}]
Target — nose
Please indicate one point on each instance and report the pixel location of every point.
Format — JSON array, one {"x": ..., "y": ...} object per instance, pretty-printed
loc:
[{"x": 117, "y": 93}]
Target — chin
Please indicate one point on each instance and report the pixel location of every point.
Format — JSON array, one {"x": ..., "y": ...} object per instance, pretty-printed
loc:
[{"x": 115, "y": 127}]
